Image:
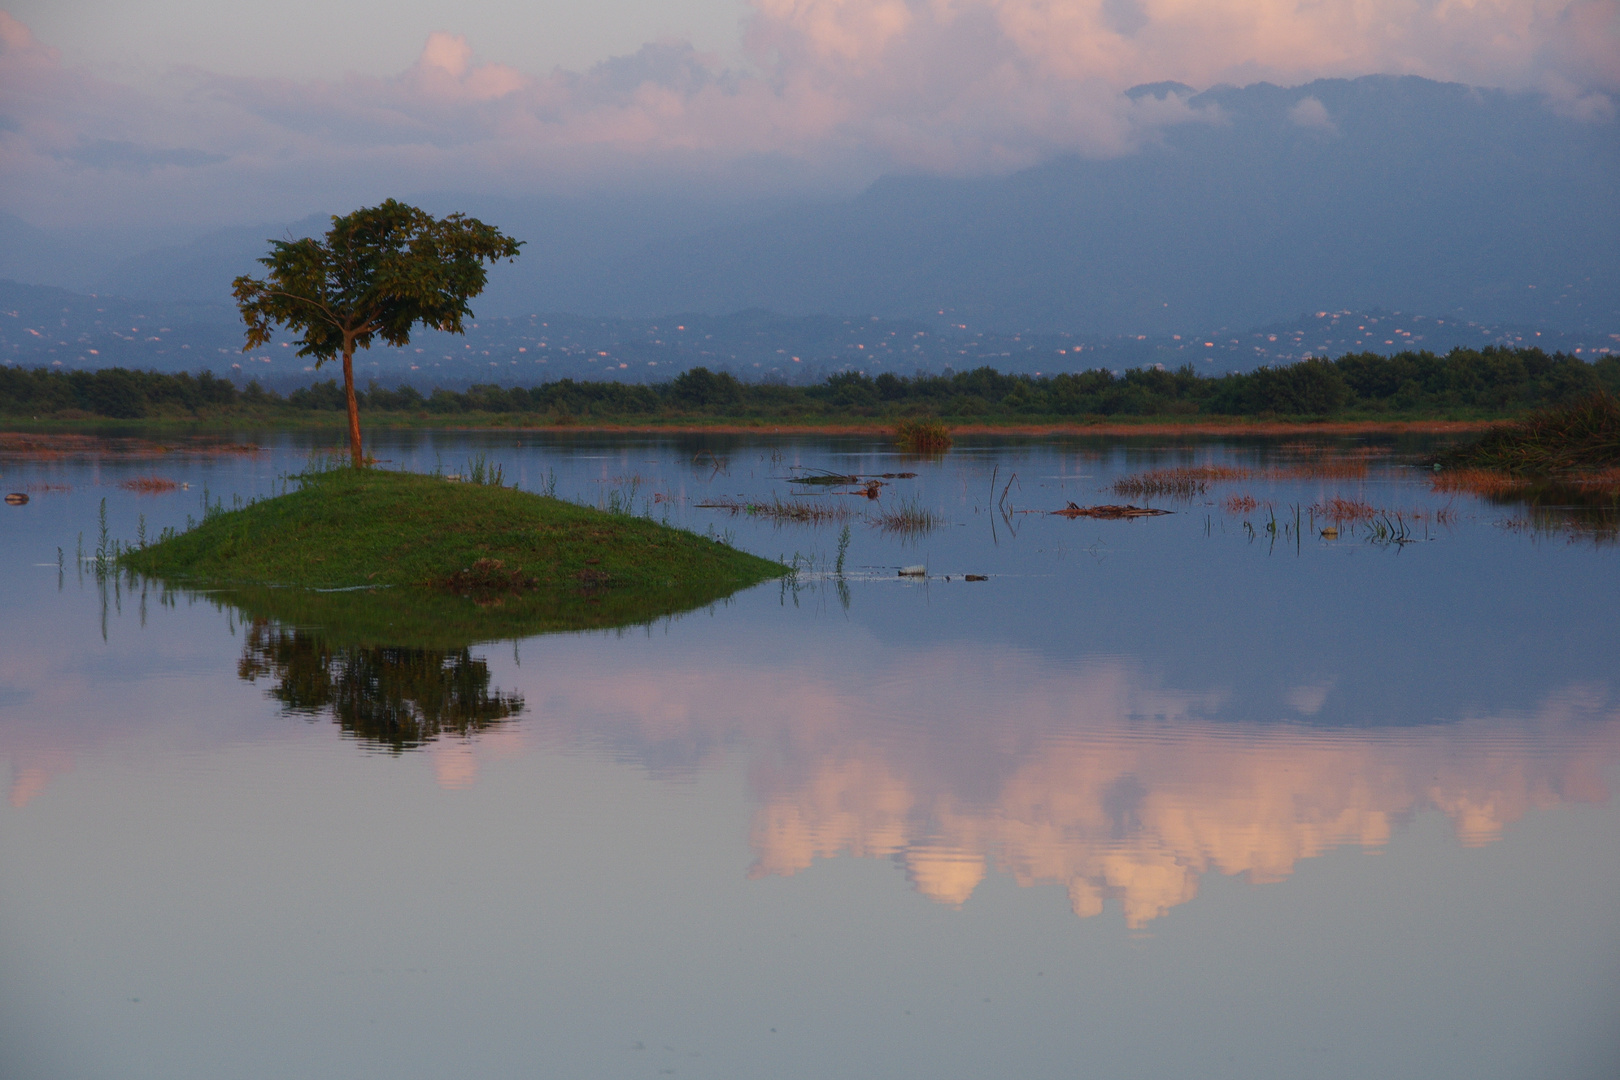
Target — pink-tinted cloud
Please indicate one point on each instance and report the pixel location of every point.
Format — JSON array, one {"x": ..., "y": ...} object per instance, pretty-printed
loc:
[{"x": 839, "y": 92}]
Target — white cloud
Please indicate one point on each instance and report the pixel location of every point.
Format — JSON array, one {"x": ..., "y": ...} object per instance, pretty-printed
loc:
[
  {"x": 840, "y": 91},
  {"x": 1309, "y": 112}
]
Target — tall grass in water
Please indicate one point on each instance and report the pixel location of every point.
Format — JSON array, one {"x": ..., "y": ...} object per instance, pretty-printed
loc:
[
  {"x": 923, "y": 436},
  {"x": 907, "y": 520},
  {"x": 1582, "y": 436}
]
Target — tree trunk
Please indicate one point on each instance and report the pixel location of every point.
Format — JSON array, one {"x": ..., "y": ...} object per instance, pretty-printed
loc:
[{"x": 354, "y": 406}]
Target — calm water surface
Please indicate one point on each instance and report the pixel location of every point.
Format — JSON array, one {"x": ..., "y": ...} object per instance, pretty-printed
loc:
[{"x": 1188, "y": 795}]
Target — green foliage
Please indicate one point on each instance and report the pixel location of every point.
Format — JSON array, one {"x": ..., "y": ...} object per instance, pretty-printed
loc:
[
  {"x": 1491, "y": 382},
  {"x": 379, "y": 272},
  {"x": 1583, "y": 435}
]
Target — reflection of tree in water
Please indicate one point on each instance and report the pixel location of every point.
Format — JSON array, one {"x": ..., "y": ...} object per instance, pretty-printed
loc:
[{"x": 396, "y": 697}]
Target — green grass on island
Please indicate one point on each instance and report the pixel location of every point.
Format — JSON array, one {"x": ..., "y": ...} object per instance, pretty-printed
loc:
[{"x": 374, "y": 556}]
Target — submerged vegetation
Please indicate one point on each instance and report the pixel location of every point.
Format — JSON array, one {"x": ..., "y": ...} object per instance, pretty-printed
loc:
[
  {"x": 1464, "y": 383},
  {"x": 373, "y": 555}
]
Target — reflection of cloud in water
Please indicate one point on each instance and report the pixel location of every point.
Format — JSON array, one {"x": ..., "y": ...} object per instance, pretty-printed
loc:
[{"x": 1085, "y": 776}]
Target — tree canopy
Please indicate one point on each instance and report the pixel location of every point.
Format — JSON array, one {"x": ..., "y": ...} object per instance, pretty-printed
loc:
[{"x": 377, "y": 273}]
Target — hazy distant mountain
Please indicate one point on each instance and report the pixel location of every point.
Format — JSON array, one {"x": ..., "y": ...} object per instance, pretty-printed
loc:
[{"x": 1378, "y": 192}]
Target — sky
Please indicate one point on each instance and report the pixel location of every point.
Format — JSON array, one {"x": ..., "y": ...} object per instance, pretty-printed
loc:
[{"x": 181, "y": 111}]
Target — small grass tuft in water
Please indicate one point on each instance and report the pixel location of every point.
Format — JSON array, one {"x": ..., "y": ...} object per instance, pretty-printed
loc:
[
  {"x": 1241, "y": 504},
  {"x": 1343, "y": 511},
  {"x": 907, "y": 520},
  {"x": 804, "y": 513},
  {"x": 923, "y": 435}
]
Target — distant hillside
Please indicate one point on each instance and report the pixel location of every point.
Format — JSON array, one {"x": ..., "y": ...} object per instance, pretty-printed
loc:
[{"x": 1381, "y": 192}]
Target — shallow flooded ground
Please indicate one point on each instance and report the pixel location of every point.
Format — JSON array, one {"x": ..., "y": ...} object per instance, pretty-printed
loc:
[{"x": 1310, "y": 777}]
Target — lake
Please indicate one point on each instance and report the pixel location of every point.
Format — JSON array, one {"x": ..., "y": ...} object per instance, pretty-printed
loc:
[{"x": 1311, "y": 777}]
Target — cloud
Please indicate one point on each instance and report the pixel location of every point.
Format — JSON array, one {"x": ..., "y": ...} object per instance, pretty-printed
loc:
[
  {"x": 838, "y": 92},
  {"x": 1309, "y": 112}
]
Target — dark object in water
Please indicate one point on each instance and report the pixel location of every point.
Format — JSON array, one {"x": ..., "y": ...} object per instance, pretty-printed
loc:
[
  {"x": 16, "y": 498},
  {"x": 821, "y": 476},
  {"x": 975, "y": 577},
  {"x": 1073, "y": 511}
]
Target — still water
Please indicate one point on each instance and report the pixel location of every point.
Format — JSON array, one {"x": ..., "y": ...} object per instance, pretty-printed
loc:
[{"x": 1203, "y": 794}]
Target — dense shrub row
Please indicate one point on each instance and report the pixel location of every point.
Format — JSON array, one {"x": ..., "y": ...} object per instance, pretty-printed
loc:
[{"x": 1491, "y": 381}]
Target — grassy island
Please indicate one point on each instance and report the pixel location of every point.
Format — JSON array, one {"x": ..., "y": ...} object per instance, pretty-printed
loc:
[{"x": 373, "y": 555}]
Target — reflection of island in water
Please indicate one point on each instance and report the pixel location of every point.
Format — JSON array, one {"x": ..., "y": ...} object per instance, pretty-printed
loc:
[{"x": 396, "y": 697}]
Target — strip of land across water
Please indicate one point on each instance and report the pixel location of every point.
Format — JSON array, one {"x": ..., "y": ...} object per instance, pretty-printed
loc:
[{"x": 1409, "y": 392}]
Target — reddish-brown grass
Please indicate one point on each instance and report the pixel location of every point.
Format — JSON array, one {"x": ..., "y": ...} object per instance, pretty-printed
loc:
[
  {"x": 1339, "y": 511},
  {"x": 1183, "y": 481},
  {"x": 1326, "y": 469},
  {"x": 148, "y": 485},
  {"x": 1241, "y": 504}
]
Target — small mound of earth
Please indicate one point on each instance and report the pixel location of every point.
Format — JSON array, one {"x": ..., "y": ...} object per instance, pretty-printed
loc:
[{"x": 487, "y": 581}]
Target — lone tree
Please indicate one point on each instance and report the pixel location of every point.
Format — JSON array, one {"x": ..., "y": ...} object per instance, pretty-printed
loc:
[{"x": 379, "y": 272}]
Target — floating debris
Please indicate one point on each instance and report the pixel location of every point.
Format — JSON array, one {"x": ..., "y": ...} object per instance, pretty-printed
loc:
[
  {"x": 1074, "y": 511},
  {"x": 975, "y": 577}
]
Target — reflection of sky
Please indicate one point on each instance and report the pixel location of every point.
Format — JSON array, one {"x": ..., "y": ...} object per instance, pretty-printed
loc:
[{"x": 1126, "y": 716}]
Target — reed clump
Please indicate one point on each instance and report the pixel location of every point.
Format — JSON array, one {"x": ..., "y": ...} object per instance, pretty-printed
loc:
[
  {"x": 1241, "y": 504},
  {"x": 1182, "y": 482},
  {"x": 1324, "y": 469},
  {"x": 148, "y": 485},
  {"x": 1581, "y": 437},
  {"x": 803, "y": 513},
  {"x": 923, "y": 435},
  {"x": 907, "y": 520},
  {"x": 1341, "y": 511},
  {"x": 1478, "y": 482}
]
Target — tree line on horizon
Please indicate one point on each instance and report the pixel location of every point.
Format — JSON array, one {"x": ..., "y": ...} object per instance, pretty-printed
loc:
[{"x": 1492, "y": 381}]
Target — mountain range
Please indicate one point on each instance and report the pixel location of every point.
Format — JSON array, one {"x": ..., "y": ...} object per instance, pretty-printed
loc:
[{"x": 1268, "y": 205}]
